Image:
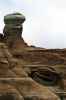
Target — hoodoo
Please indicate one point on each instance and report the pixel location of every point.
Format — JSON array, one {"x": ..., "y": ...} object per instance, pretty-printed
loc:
[
  {"x": 28, "y": 72},
  {"x": 13, "y": 30}
]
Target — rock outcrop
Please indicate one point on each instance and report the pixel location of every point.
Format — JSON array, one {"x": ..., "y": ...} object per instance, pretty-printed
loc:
[
  {"x": 13, "y": 30},
  {"x": 15, "y": 84},
  {"x": 28, "y": 72}
]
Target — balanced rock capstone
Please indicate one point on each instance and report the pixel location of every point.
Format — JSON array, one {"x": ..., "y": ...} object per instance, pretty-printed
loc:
[{"x": 14, "y": 19}]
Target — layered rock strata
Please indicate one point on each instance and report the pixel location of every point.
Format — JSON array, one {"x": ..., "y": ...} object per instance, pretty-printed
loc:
[
  {"x": 13, "y": 30},
  {"x": 15, "y": 82}
]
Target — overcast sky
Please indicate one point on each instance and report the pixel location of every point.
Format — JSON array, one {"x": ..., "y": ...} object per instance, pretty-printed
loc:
[{"x": 45, "y": 24}]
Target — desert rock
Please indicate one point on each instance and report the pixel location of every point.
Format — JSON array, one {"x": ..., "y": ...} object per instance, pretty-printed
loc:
[{"x": 24, "y": 69}]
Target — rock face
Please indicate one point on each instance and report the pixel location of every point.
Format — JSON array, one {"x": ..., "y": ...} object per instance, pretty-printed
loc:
[
  {"x": 28, "y": 72},
  {"x": 15, "y": 84}
]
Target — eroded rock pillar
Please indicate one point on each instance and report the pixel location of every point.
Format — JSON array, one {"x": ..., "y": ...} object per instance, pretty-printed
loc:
[{"x": 13, "y": 29}]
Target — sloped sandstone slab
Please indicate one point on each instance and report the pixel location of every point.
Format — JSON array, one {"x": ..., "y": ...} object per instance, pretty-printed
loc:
[{"x": 27, "y": 88}]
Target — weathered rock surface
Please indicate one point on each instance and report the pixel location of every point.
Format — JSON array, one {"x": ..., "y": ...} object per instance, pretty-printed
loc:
[
  {"x": 13, "y": 29},
  {"x": 14, "y": 81},
  {"x": 25, "y": 88},
  {"x": 14, "y": 19},
  {"x": 26, "y": 70}
]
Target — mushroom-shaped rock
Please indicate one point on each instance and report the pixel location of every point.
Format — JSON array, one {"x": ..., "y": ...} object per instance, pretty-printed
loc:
[
  {"x": 14, "y": 19},
  {"x": 13, "y": 30}
]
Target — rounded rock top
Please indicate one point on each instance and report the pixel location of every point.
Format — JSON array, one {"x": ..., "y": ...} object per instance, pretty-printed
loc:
[{"x": 15, "y": 19}]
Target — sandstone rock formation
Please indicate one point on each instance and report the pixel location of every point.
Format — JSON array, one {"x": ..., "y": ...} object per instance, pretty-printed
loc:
[
  {"x": 13, "y": 30},
  {"x": 15, "y": 84},
  {"x": 28, "y": 72}
]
